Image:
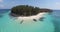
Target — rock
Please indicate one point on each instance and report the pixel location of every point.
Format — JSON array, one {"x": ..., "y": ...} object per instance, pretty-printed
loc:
[
  {"x": 21, "y": 22},
  {"x": 34, "y": 20},
  {"x": 41, "y": 19}
]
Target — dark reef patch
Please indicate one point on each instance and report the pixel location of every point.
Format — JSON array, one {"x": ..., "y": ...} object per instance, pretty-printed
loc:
[
  {"x": 21, "y": 22},
  {"x": 1, "y": 16}
]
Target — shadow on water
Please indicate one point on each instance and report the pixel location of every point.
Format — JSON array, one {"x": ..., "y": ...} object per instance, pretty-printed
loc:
[{"x": 57, "y": 24}]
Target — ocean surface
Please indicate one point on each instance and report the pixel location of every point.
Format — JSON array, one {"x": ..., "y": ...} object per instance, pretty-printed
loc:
[{"x": 51, "y": 23}]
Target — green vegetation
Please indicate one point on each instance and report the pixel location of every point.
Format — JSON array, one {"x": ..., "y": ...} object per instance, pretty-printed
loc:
[{"x": 25, "y": 10}]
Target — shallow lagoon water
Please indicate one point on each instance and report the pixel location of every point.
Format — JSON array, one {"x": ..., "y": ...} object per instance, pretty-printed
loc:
[{"x": 8, "y": 24}]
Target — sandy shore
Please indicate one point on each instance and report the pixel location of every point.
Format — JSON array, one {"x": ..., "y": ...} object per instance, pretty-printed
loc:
[{"x": 39, "y": 15}]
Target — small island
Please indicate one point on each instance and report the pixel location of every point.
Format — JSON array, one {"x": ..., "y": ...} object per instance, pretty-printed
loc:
[{"x": 26, "y": 10}]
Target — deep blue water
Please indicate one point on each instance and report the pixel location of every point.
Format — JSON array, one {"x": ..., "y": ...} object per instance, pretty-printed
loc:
[
  {"x": 55, "y": 14},
  {"x": 3, "y": 11}
]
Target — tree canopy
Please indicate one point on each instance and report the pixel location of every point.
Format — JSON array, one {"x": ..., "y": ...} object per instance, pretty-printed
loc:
[{"x": 25, "y": 10}]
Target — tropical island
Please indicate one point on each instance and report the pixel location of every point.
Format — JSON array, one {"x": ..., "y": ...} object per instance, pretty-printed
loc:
[{"x": 26, "y": 10}]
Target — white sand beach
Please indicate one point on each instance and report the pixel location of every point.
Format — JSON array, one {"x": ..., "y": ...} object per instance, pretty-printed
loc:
[{"x": 39, "y": 15}]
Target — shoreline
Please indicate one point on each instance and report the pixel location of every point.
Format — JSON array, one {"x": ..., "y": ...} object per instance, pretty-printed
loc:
[{"x": 38, "y": 16}]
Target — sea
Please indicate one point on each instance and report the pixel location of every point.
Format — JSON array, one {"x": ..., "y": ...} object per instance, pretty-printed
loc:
[{"x": 51, "y": 23}]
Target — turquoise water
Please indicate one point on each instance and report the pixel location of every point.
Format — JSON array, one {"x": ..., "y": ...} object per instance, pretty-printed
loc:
[
  {"x": 10, "y": 24},
  {"x": 56, "y": 21}
]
